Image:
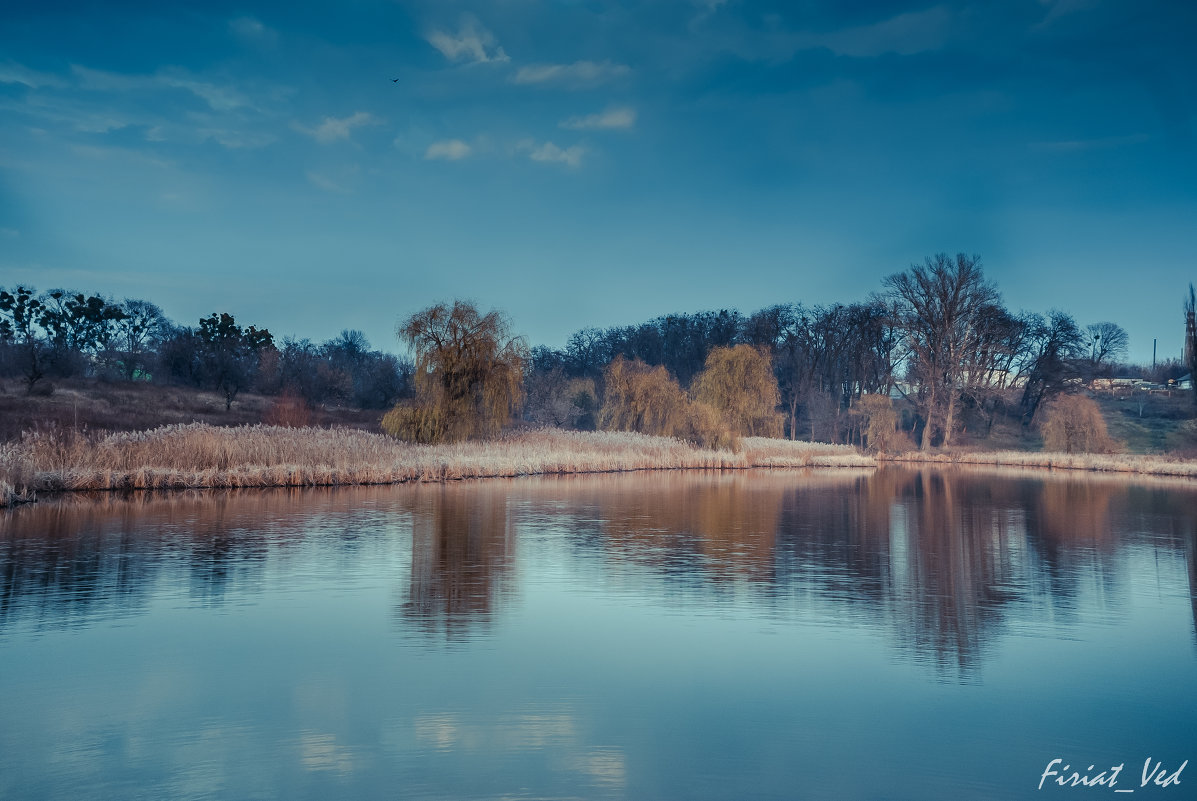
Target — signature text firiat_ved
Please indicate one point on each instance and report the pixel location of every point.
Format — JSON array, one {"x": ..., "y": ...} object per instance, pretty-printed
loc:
[{"x": 1155, "y": 774}]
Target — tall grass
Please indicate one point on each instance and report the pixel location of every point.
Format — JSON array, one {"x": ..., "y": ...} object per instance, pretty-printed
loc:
[
  {"x": 1093, "y": 462},
  {"x": 197, "y": 456},
  {"x": 202, "y": 456}
]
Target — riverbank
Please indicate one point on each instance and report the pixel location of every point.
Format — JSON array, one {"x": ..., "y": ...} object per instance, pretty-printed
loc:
[
  {"x": 1088, "y": 462},
  {"x": 203, "y": 456}
]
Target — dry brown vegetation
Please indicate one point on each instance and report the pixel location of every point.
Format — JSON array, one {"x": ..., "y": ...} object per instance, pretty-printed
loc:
[
  {"x": 199, "y": 455},
  {"x": 91, "y": 404},
  {"x": 1100, "y": 463},
  {"x": 1074, "y": 424},
  {"x": 469, "y": 375}
]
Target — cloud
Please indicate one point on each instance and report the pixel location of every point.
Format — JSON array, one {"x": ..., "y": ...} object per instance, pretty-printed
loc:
[
  {"x": 580, "y": 73},
  {"x": 621, "y": 118},
  {"x": 549, "y": 153},
  {"x": 219, "y": 98},
  {"x": 1077, "y": 145},
  {"x": 251, "y": 29},
  {"x": 447, "y": 150},
  {"x": 332, "y": 128},
  {"x": 9, "y": 233},
  {"x": 12, "y": 72},
  {"x": 235, "y": 140},
  {"x": 472, "y": 44},
  {"x": 903, "y": 35},
  {"x": 327, "y": 184}
]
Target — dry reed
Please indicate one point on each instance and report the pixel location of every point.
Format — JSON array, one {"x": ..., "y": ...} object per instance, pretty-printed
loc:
[
  {"x": 203, "y": 456},
  {"x": 198, "y": 456},
  {"x": 1092, "y": 462}
]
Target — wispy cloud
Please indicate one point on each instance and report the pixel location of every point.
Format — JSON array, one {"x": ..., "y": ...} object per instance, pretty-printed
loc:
[
  {"x": 218, "y": 97},
  {"x": 1077, "y": 145},
  {"x": 252, "y": 30},
  {"x": 472, "y": 43},
  {"x": 12, "y": 72},
  {"x": 447, "y": 150},
  {"x": 321, "y": 181},
  {"x": 550, "y": 153},
  {"x": 332, "y": 129},
  {"x": 904, "y": 34},
  {"x": 621, "y": 118},
  {"x": 9, "y": 233},
  {"x": 236, "y": 140},
  {"x": 578, "y": 74}
]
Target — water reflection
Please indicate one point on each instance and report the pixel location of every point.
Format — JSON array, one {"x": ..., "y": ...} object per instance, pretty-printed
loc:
[
  {"x": 941, "y": 562},
  {"x": 462, "y": 547}
]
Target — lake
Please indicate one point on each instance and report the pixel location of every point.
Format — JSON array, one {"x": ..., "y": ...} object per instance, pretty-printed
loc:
[{"x": 889, "y": 634}]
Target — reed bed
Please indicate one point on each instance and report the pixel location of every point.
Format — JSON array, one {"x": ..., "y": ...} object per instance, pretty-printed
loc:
[
  {"x": 201, "y": 456},
  {"x": 198, "y": 455},
  {"x": 1092, "y": 462}
]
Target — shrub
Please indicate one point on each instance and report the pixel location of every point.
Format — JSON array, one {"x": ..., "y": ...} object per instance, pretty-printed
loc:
[
  {"x": 881, "y": 425},
  {"x": 1074, "y": 424},
  {"x": 288, "y": 411}
]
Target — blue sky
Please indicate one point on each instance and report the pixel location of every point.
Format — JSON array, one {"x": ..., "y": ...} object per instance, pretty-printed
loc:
[{"x": 590, "y": 164}]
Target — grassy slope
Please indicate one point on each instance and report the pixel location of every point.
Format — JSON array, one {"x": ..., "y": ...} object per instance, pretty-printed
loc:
[{"x": 126, "y": 406}]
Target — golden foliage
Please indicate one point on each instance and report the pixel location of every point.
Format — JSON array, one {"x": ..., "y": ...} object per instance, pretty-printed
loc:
[
  {"x": 739, "y": 384},
  {"x": 647, "y": 400},
  {"x": 468, "y": 376},
  {"x": 1074, "y": 424}
]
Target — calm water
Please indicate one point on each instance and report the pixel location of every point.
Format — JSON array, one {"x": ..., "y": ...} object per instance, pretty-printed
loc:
[{"x": 888, "y": 635}]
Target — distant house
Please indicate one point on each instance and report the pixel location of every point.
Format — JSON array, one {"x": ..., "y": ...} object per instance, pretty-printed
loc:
[{"x": 1185, "y": 382}]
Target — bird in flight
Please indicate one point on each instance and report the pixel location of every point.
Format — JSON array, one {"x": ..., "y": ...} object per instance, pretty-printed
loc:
[{"x": 394, "y": 80}]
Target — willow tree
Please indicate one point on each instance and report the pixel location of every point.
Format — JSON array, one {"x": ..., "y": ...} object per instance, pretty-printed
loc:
[
  {"x": 642, "y": 398},
  {"x": 648, "y": 400},
  {"x": 738, "y": 382},
  {"x": 468, "y": 374}
]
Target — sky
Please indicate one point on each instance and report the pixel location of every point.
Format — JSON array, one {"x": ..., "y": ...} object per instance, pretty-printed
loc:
[{"x": 312, "y": 167}]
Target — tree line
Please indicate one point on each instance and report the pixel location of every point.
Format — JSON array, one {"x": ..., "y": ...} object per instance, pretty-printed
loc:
[
  {"x": 60, "y": 334},
  {"x": 936, "y": 335}
]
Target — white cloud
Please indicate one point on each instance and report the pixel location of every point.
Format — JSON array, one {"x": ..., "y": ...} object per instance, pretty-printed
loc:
[
  {"x": 613, "y": 118},
  {"x": 447, "y": 150},
  {"x": 903, "y": 35},
  {"x": 219, "y": 98},
  {"x": 251, "y": 29},
  {"x": 472, "y": 43},
  {"x": 12, "y": 72},
  {"x": 577, "y": 74},
  {"x": 331, "y": 128},
  {"x": 327, "y": 184},
  {"x": 235, "y": 140},
  {"x": 549, "y": 153}
]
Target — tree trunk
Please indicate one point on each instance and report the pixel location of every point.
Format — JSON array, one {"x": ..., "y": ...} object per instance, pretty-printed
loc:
[
  {"x": 950, "y": 419},
  {"x": 926, "y": 443}
]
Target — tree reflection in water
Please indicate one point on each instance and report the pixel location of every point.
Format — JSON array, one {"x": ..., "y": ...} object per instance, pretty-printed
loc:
[
  {"x": 462, "y": 549},
  {"x": 940, "y": 562}
]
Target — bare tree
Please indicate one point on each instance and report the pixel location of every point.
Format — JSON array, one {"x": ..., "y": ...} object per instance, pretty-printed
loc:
[
  {"x": 1055, "y": 347},
  {"x": 1107, "y": 344},
  {"x": 1191, "y": 337},
  {"x": 940, "y": 305}
]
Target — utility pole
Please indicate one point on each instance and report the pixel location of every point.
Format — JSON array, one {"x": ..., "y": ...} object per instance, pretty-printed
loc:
[{"x": 1153, "y": 344}]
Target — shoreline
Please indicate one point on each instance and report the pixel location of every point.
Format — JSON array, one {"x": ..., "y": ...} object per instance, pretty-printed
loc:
[{"x": 199, "y": 456}]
